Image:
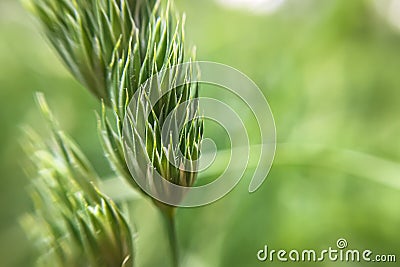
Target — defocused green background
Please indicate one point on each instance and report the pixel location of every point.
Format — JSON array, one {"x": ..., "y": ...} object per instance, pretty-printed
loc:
[{"x": 331, "y": 73}]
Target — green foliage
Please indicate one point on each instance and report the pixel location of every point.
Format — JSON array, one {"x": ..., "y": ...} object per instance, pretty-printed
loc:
[
  {"x": 330, "y": 72},
  {"x": 112, "y": 47}
]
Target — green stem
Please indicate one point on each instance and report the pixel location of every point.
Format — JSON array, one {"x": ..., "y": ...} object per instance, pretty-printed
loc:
[
  {"x": 168, "y": 213},
  {"x": 173, "y": 242}
]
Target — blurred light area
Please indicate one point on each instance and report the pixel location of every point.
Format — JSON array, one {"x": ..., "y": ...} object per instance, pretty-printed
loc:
[
  {"x": 256, "y": 6},
  {"x": 390, "y": 10},
  {"x": 10, "y": 11}
]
